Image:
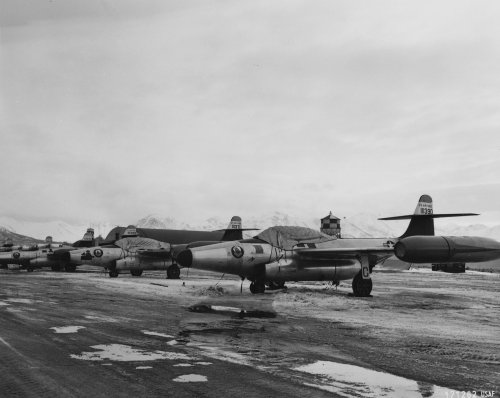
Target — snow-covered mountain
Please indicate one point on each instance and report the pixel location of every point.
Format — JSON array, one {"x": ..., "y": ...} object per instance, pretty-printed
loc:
[
  {"x": 59, "y": 230},
  {"x": 362, "y": 225}
]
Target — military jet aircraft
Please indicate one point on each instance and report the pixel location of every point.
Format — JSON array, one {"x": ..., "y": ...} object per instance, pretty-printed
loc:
[
  {"x": 281, "y": 254},
  {"x": 45, "y": 254},
  {"x": 139, "y": 249}
]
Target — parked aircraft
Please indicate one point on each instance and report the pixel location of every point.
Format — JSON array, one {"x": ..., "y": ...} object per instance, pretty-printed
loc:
[
  {"x": 45, "y": 254},
  {"x": 8, "y": 246},
  {"x": 281, "y": 254},
  {"x": 139, "y": 249},
  {"x": 447, "y": 249}
]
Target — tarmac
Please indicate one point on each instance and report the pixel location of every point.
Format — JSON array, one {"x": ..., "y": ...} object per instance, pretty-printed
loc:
[{"x": 82, "y": 334}]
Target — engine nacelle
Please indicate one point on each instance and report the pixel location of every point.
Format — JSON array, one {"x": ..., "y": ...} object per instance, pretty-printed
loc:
[
  {"x": 100, "y": 256},
  {"x": 236, "y": 258},
  {"x": 133, "y": 263},
  {"x": 445, "y": 249}
]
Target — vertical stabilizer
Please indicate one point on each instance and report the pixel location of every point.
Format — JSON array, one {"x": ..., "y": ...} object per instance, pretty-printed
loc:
[
  {"x": 422, "y": 220},
  {"x": 89, "y": 235},
  {"x": 235, "y": 223},
  {"x": 424, "y": 206}
]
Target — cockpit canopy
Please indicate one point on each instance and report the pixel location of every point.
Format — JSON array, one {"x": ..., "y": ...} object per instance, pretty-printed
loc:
[
  {"x": 137, "y": 243},
  {"x": 287, "y": 238}
]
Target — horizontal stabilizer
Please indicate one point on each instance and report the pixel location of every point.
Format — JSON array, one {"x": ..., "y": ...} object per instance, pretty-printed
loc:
[
  {"x": 410, "y": 216},
  {"x": 239, "y": 229}
]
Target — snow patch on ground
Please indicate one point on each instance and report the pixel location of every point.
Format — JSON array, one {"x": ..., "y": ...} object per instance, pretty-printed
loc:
[
  {"x": 3, "y": 303},
  {"x": 183, "y": 365},
  {"x": 125, "y": 353},
  {"x": 349, "y": 380},
  {"x": 144, "y": 367},
  {"x": 67, "y": 329},
  {"x": 192, "y": 378},
  {"x": 100, "y": 318},
  {"x": 223, "y": 308},
  {"x": 168, "y": 336},
  {"x": 222, "y": 355},
  {"x": 21, "y": 301}
]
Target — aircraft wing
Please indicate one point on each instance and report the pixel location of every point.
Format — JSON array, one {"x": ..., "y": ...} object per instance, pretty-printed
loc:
[
  {"x": 154, "y": 253},
  {"x": 344, "y": 253}
]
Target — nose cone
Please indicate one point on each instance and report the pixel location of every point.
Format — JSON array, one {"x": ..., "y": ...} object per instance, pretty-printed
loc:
[{"x": 185, "y": 258}]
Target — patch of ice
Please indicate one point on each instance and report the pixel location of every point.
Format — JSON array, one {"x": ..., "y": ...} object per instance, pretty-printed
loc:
[
  {"x": 125, "y": 353},
  {"x": 192, "y": 378},
  {"x": 223, "y": 308},
  {"x": 168, "y": 336},
  {"x": 67, "y": 329},
  {"x": 20, "y": 300},
  {"x": 100, "y": 318},
  {"x": 183, "y": 365},
  {"x": 349, "y": 380},
  {"x": 172, "y": 342},
  {"x": 144, "y": 367},
  {"x": 227, "y": 356}
]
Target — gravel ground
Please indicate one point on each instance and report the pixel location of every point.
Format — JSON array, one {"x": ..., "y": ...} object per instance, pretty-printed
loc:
[{"x": 83, "y": 334}]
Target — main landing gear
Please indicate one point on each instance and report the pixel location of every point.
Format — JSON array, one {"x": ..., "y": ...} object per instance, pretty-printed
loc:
[
  {"x": 173, "y": 272},
  {"x": 113, "y": 273},
  {"x": 273, "y": 285},
  {"x": 70, "y": 267},
  {"x": 258, "y": 286},
  {"x": 136, "y": 272},
  {"x": 361, "y": 287}
]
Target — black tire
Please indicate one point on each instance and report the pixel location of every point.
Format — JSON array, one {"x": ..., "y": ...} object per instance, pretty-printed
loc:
[
  {"x": 113, "y": 273},
  {"x": 70, "y": 267},
  {"x": 55, "y": 268},
  {"x": 258, "y": 287},
  {"x": 173, "y": 272},
  {"x": 361, "y": 287},
  {"x": 136, "y": 272},
  {"x": 29, "y": 269}
]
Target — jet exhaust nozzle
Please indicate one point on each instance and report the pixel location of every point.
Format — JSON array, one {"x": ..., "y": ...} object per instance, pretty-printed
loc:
[
  {"x": 444, "y": 249},
  {"x": 185, "y": 258}
]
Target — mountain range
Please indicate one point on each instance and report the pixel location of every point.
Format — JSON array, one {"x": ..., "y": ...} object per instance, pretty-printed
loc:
[{"x": 362, "y": 225}]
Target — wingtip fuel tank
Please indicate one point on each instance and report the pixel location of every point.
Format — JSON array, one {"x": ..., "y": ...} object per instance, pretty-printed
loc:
[{"x": 444, "y": 249}]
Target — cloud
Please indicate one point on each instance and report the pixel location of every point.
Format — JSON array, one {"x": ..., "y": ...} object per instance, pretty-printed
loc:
[{"x": 116, "y": 110}]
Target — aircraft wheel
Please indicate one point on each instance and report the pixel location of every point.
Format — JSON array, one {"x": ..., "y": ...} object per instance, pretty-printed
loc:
[
  {"x": 29, "y": 269},
  {"x": 55, "y": 268},
  {"x": 173, "y": 272},
  {"x": 70, "y": 268},
  {"x": 136, "y": 272},
  {"x": 113, "y": 273},
  {"x": 273, "y": 285},
  {"x": 258, "y": 287},
  {"x": 361, "y": 287}
]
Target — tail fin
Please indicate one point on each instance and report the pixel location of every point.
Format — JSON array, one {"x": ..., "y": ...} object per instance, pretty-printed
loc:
[
  {"x": 87, "y": 240},
  {"x": 422, "y": 220},
  {"x": 234, "y": 230},
  {"x": 89, "y": 235}
]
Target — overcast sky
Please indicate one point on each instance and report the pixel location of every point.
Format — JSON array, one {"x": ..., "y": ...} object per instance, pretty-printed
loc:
[{"x": 114, "y": 109}]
